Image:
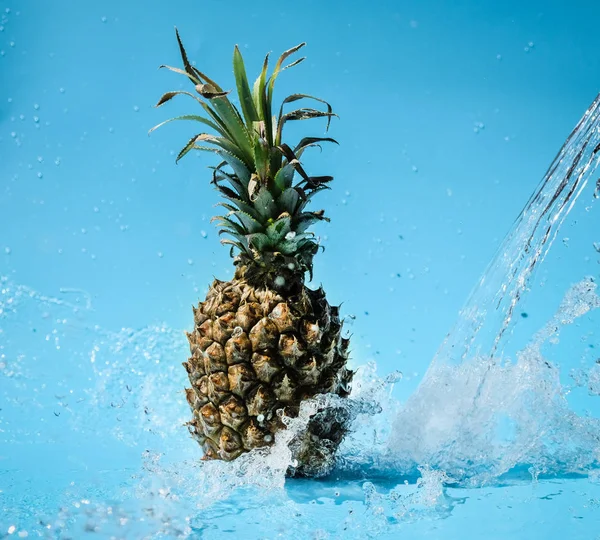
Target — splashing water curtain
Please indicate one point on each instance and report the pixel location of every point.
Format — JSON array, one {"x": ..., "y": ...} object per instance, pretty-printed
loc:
[{"x": 499, "y": 395}]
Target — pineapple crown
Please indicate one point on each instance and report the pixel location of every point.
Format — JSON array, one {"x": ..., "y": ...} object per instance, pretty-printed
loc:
[{"x": 267, "y": 221}]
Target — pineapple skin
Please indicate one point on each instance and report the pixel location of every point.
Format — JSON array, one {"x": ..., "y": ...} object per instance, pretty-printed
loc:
[{"x": 256, "y": 353}]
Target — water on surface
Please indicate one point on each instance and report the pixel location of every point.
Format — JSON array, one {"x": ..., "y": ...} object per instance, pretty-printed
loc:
[{"x": 97, "y": 445}]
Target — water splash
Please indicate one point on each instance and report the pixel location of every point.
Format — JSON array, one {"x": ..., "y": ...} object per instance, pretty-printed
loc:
[{"x": 479, "y": 420}]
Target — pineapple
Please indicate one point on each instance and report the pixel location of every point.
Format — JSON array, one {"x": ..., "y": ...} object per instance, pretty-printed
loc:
[{"x": 262, "y": 342}]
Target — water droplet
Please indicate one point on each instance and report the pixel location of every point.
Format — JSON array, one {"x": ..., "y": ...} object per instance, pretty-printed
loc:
[
  {"x": 40, "y": 175},
  {"x": 7, "y": 250},
  {"x": 36, "y": 119},
  {"x": 190, "y": 262},
  {"x": 160, "y": 254},
  {"x": 61, "y": 90},
  {"x": 415, "y": 169},
  {"x": 11, "y": 529},
  {"x": 36, "y": 106},
  {"x": 279, "y": 281},
  {"x": 498, "y": 57},
  {"x": 57, "y": 161},
  {"x": 566, "y": 241},
  {"x": 478, "y": 126},
  {"x": 136, "y": 108},
  {"x": 203, "y": 234},
  {"x": 260, "y": 418},
  {"x": 40, "y": 159},
  {"x": 103, "y": 19}
]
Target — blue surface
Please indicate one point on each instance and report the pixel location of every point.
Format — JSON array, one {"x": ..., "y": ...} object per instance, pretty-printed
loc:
[{"x": 450, "y": 113}]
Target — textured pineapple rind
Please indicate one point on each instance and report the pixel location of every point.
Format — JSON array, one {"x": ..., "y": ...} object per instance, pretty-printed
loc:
[{"x": 256, "y": 354}]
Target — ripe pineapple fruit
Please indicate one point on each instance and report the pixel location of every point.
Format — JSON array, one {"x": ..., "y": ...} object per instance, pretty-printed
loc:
[{"x": 262, "y": 342}]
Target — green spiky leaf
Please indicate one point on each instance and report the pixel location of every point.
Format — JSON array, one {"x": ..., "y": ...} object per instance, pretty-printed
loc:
[
  {"x": 285, "y": 176},
  {"x": 307, "y": 142},
  {"x": 289, "y": 200},
  {"x": 264, "y": 204},
  {"x": 243, "y": 88},
  {"x": 259, "y": 90},
  {"x": 192, "y": 117},
  {"x": 259, "y": 241},
  {"x": 279, "y": 228},
  {"x": 250, "y": 224}
]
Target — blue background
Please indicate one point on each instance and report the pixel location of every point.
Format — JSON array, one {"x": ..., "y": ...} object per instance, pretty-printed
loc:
[{"x": 450, "y": 113}]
